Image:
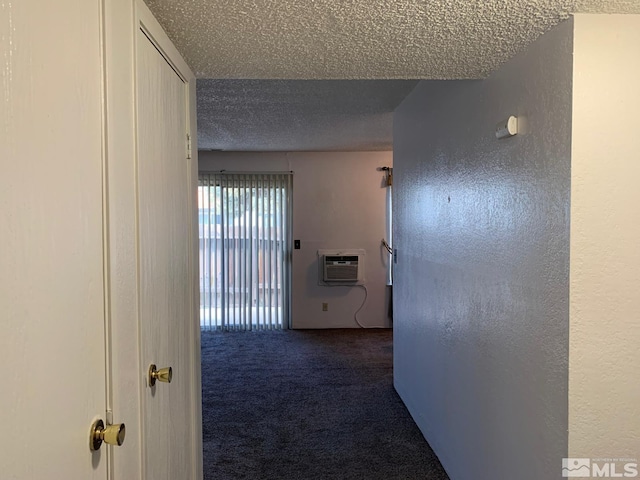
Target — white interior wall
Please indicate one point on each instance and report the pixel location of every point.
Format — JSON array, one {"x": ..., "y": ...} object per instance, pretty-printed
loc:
[
  {"x": 481, "y": 286},
  {"x": 604, "y": 388},
  {"x": 339, "y": 202}
]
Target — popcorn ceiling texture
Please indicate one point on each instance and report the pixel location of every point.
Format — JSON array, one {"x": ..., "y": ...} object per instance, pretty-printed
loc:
[
  {"x": 365, "y": 39},
  {"x": 251, "y": 46},
  {"x": 288, "y": 115}
]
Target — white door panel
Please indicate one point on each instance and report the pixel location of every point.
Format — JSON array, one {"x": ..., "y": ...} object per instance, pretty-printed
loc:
[
  {"x": 51, "y": 259},
  {"x": 164, "y": 215}
]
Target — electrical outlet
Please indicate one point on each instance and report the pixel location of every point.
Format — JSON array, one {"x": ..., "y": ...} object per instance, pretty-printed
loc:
[{"x": 325, "y": 307}]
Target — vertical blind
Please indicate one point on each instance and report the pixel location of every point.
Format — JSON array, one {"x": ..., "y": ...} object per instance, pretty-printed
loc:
[{"x": 244, "y": 231}]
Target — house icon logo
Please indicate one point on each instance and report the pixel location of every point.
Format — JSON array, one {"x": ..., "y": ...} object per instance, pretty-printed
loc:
[{"x": 576, "y": 467}]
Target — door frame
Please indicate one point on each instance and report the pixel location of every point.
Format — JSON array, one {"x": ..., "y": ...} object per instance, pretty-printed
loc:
[{"x": 122, "y": 20}]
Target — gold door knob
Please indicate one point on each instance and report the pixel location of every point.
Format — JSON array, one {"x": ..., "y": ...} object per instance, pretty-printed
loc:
[
  {"x": 163, "y": 375},
  {"x": 111, "y": 434}
]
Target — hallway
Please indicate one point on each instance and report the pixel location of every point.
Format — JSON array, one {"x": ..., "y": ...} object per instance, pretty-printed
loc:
[{"x": 312, "y": 404}]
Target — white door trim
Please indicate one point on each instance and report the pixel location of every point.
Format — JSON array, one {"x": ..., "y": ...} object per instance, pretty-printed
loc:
[{"x": 120, "y": 237}]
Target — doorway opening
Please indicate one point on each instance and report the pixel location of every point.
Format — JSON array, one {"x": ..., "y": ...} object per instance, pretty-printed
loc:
[{"x": 244, "y": 225}]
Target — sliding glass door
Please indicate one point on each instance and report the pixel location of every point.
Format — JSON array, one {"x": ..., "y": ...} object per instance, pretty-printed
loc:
[{"x": 245, "y": 250}]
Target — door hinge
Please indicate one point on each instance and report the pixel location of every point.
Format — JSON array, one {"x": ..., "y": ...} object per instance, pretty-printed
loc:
[{"x": 188, "y": 146}]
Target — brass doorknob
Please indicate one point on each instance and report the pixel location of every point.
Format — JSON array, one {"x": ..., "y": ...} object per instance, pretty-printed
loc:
[
  {"x": 162, "y": 375},
  {"x": 111, "y": 434}
]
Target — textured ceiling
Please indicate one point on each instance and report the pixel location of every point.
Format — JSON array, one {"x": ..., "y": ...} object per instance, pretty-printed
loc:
[
  {"x": 267, "y": 40},
  {"x": 340, "y": 39},
  {"x": 298, "y": 114}
]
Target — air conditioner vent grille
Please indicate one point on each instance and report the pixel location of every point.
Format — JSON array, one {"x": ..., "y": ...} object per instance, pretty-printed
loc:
[
  {"x": 341, "y": 268},
  {"x": 342, "y": 273}
]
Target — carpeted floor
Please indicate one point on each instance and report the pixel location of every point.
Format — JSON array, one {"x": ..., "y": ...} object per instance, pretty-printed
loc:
[{"x": 311, "y": 404}]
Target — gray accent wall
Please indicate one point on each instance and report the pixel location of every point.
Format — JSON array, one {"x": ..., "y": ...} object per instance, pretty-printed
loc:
[{"x": 481, "y": 288}]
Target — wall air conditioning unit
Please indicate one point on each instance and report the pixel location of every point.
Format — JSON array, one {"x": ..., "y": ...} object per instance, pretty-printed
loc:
[{"x": 341, "y": 268}]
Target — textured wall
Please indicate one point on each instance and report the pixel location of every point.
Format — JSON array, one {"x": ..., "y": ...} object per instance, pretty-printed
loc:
[
  {"x": 481, "y": 288},
  {"x": 338, "y": 202},
  {"x": 604, "y": 388}
]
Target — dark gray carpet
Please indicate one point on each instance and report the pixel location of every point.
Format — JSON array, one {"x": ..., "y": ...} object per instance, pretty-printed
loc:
[{"x": 312, "y": 404}]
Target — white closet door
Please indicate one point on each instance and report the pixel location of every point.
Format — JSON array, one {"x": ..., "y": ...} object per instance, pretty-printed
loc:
[
  {"x": 51, "y": 258},
  {"x": 165, "y": 212}
]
